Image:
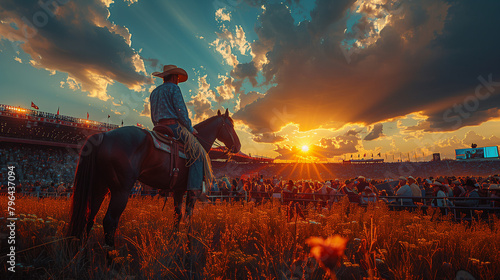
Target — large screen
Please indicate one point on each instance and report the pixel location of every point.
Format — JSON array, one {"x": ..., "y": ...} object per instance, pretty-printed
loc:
[{"x": 471, "y": 153}]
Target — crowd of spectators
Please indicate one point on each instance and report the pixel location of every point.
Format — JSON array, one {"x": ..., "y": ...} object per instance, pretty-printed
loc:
[
  {"x": 51, "y": 169},
  {"x": 38, "y": 168},
  {"x": 404, "y": 191}
]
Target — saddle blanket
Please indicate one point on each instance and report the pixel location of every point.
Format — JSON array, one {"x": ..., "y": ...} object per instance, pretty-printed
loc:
[{"x": 159, "y": 144}]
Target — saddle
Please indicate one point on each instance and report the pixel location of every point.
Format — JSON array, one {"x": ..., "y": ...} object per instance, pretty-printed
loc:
[{"x": 164, "y": 140}]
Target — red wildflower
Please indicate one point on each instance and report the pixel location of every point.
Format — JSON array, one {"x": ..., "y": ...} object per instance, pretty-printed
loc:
[{"x": 327, "y": 252}]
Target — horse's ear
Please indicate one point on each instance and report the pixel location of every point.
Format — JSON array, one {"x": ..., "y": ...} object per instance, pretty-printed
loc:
[
  {"x": 227, "y": 113},
  {"x": 218, "y": 112}
]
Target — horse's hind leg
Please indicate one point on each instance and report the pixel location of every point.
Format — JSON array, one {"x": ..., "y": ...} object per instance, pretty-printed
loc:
[
  {"x": 95, "y": 206},
  {"x": 190, "y": 201},
  {"x": 177, "y": 208},
  {"x": 116, "y": 206}
]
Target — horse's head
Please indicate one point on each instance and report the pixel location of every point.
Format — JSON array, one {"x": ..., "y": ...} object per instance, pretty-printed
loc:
[{"x": 226, "y": 133}]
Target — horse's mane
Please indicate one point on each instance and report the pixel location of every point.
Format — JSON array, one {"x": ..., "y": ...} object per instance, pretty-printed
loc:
[{"x": 205, "y": 122}]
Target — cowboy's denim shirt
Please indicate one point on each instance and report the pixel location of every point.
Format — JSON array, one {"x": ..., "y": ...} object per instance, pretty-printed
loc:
[{"x": 166, "y": 102}]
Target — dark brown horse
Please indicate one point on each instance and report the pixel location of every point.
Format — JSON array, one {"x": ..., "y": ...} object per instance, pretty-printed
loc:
[{"x": 115, "y": 160}]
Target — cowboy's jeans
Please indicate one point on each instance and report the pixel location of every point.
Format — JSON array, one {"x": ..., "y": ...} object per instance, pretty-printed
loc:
[{"x": 195, "y": 175}]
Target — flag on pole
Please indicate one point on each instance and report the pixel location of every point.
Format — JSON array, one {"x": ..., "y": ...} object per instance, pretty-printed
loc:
[
  {"x": 57, "y": 110},
  {"x": 122, "y": 122},
  {"x": 108, "y": 116},
  {"x": 34, "y": 106},
  {"x": 87, "y": 115},
  {"x": 364, "y": 155}
]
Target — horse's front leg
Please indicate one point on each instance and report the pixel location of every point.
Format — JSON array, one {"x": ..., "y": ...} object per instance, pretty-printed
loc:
[
  {"x": 177, "y": 208},
  {"x": 190, "y": 201},
  {"x": 117, "y": 204}
]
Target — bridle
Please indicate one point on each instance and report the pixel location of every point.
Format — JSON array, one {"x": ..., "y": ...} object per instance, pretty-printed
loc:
[{"x": 219, "y": 145}]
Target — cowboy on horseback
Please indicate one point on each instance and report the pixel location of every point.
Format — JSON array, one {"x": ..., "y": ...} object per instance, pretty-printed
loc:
[{"x": 168, "y": 109}]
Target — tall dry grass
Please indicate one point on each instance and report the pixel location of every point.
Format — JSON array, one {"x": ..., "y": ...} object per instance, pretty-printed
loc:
[{"x": 248, "y": 241}]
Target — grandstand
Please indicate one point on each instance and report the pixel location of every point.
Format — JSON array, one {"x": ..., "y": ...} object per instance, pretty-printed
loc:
[
  {"x": 26, "y": 126},
  {"x": 19, "y": 125},
  {"x": 219, "y": 154}
]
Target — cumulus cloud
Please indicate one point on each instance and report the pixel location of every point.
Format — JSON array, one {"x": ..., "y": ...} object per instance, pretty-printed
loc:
[
  {"x": 224, "y": 48},
  {"x": 226, "y": 90},
  {"x": 268, "y": 138},
  {"x": 245, "y": 70},
  {"x": 130, "y": 2},
  {"x": 249, "y": 98},
  {"x": 481, "y": 141},
  {"x": 222, "y": 14},
  {"x": 201, "y": 102},
  {"x": 400, "y": 57},
  {"x": 75, "y": 38},
  {"x": 327, "y": 148},
  {"x": 375, "y": 133},
  {"x": 448, "y": 145},
  {"x": 228, "y": 43},
  {"x": 146, "y": 111}
]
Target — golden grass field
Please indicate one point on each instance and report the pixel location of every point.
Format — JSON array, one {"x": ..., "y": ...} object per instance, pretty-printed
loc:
[{"x": 248, "y": 241}]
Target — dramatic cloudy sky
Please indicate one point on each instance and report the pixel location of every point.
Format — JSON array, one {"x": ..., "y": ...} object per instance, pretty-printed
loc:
[{"x": 346, "y": 78}]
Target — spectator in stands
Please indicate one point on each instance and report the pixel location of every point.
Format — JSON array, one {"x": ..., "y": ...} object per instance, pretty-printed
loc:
[
  {"x": 361, "y": 184},
  {"x": 458, "y": 190},
  {"x": 52, "y": 188},
  {"x": 483, "y": 190},
  {"x": 215, "y": 186},
  {"x": 440, "y": 192},
  {"x": 368, "y": 195},
  {"x": 226, "y": 180},
  {"x": 350, "y": 191},
  {"x": 471, "y": 193},
  {"x": 384, "y": 195},
  {"x": 224, "y": 189},
  {"x": 495, "y": 193},
  {"x": 234, "y": 185},
  {"x": 336, "y": 185},
  {"x": 404, "y": 190},
  {"x": 61, "y": 189},
  {"x": 333, "y": 191},
  {"x": 415, "y": 189}
]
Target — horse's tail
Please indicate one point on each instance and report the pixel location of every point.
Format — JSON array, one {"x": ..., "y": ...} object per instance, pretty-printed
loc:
[{"x": 83, "y": 184}]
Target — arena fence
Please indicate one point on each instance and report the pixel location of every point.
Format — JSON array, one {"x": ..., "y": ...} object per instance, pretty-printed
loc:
[{"x": 481, "y": 206}]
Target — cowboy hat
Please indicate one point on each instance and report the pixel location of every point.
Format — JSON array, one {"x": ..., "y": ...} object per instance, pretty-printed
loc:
[
  {"x": 437, "y": 183},
  {"x": 411, "y": 178},
  {"x": 494, "y": 187},
  {"x": 172, "y": 70}
]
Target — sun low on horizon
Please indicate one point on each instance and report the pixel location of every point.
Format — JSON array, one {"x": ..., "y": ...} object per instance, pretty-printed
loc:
[{"x": 305, "y": 148}]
